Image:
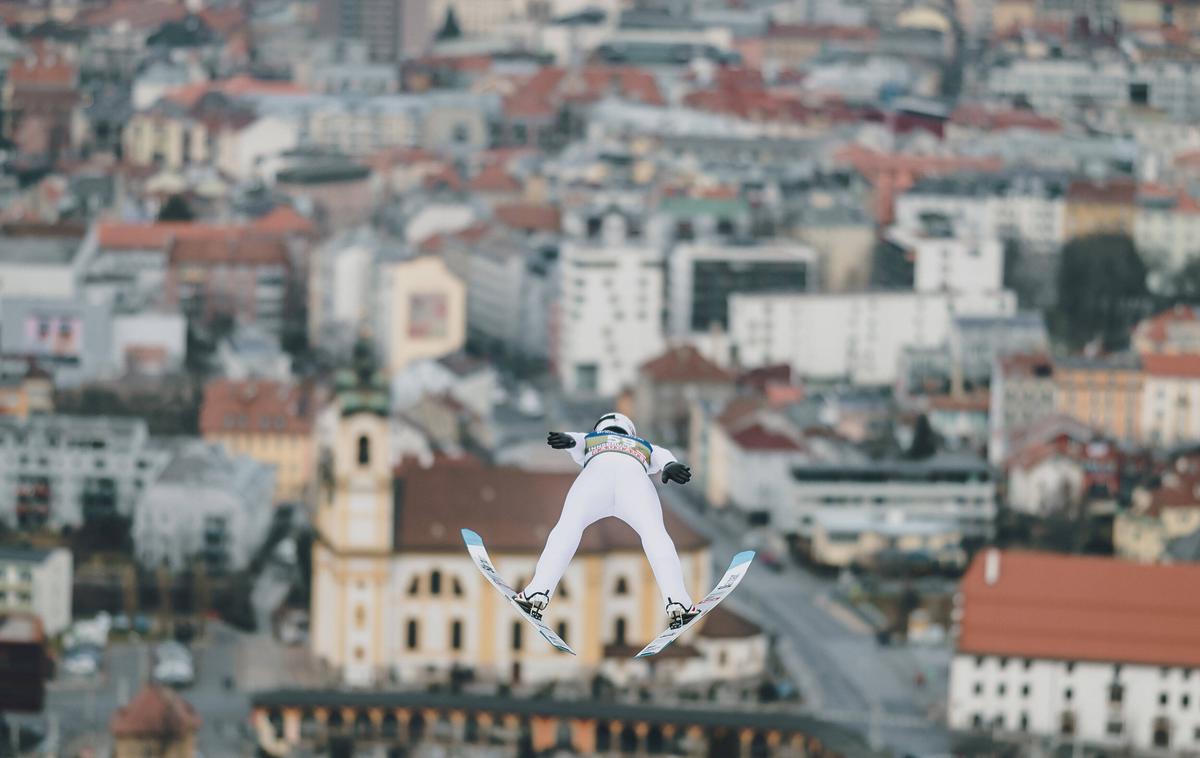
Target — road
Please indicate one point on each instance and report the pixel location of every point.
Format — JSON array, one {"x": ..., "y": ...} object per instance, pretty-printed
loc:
[
  {"x": 82, "y": 709},
  {"x": 845, "y": 675}
]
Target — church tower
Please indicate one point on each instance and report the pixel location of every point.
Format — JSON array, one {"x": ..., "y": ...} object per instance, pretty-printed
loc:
[{"x": 353, "y": 546}]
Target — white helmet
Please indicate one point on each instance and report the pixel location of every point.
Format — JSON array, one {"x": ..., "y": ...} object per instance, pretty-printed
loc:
[{"x": 619, "y": 420}]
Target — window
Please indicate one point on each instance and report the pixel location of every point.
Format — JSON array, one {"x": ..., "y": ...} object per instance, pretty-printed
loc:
[
  {"x": 622, "y": 587},
  {"x": 456, "y": 635},
  {"x": 1185, "y": 701},
  {"x": 978, "y": 688},
  {"x": 1162, "y": 698},
  {"x": 977, "y": 721},
  {"x": 1071, "y": 666},
  {"x": 413, "y": 634},
  {"x": 1024, "y": 723},
  {"x": 516, "y": 635},
  {"x": 1068, "y": 693},
  {"x": 619, "y": 631},
  {"x": 435, "y": 582},
  {"x": 364, "y": 450},
  {"x": 360, "y": 617},
  {"x": 358, "y": 653},
  {"x": 1024, "y": 690},
  {"x": 1001, "y": 689},
  {"x": 1116, "y": 693},
  {"x": 562, "y": 592},
  {"x": 1114, "y": 728},
  {"x": 979, "y": 661},
  {"x": 414, "y": 587},
  {"x": 1003, "y": 663},
  {"x": 1028, "y": 664},
  {"x": 456, "y": 587},
  {"x": 562, "y": 631}
]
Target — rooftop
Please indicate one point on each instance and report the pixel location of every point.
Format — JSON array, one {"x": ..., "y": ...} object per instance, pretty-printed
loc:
[
  {"x": 39, "y": 251},
  {"x": 512, "y": 509},
  {"x": 684, "y": 365},
  {"x": 156, "y": 712},
  {"x": 256, "y": 406},
  {"x": 23, "y": 554},
  {"x": 1084, "y": 608}
]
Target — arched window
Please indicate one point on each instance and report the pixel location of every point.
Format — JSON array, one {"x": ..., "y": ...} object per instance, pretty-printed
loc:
[
  {"x": 516, "y": 635},
  {"x": 360, "y": 616},
  {"x": 435, "y": 582},
  {"x": 562, "y": 591},
  {"x": 414, "y": 633},
  {"x": 562, "y": 631},
  {"x": 364, "y": 450},
  {"x": 456, "y": 635},
  {"x": 619, "y": 631},
  {"x": 622, "y": 586},
  {"x": 415, "y": 586},
  {"x": 456, "y": 586}
]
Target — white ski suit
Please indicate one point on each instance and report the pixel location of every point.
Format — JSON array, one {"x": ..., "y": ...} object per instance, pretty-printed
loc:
[{"x": 615, "y": 481}]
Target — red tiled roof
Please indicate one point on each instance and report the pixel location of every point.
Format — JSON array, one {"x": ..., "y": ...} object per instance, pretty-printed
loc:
[
  {"x": 512, "y": 509},
  {"x": 1026, "y": 364},
  {"x": 1115, "y": 192},
  {"x": 1071, "y": 607},
  {"x": 1181, "y": 366},
  {"x": 976, "y": 402},
  {"x": 284, "y": 219},
  {"x": 44, "y": 71},
  {"x": 155, "y": 712},
  {"x": 758, "y": 437},
  {"x": 996, "y": 119},
  {"x": 494, "y": 177},
  {"x": 240, "y": 85},
  {"x": 121, "y": 235},
  {"x": 541, "y": 94},
  {"x": 1175, "y": 491},
  {"x": 684, "y": 365},
  {"x": 530, "y": 217},
  {"x": 256, "y": 407},
  {"x": 1155, "y": 327},
  {"x": 724, "y": 624},
  {"x": 240, "y": 249},
  {"x": 224, "y": 21},
  {"x": 821, "y": 32}
]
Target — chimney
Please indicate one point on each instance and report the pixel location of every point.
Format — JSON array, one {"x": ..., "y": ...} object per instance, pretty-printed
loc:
[{"x": 991, "y": 566}]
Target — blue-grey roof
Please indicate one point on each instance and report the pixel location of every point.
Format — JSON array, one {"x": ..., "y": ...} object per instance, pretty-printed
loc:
[{"x": 22, "y": 554}]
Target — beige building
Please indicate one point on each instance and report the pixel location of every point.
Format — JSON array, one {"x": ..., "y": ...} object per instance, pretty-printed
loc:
[
  {"x": 267, "y": 421},
  {"x": 395, "y": 593},
  {"x": 1159, "y": 515},
  {"x": 1170, "y": 400},
  {"x": 156, "y": 723},
  {"x": 422, "y": 309},
  {"x": 1103, "y": 393}
]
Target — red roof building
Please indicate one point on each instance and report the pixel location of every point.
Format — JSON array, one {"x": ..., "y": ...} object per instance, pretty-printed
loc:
[{"x": 158, "y": 715}]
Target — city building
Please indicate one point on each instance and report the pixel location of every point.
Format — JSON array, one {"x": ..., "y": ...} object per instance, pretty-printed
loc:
[
  {"x": 703, "y": 276},
  {"x": 158, "y": 722},
  {"x": 977, "y": 342},
  {"x": 1023, "y": 670},
  {"x": 844, "y": 539},
  {"x": 422, "y": 310},
  {"x": 392, "y": 30},
  {"x": 1104, "y": 392},
  {"x": 949, "y": 489},
  {"x": 40, "y": 100},
  {"x": 1165, "y": 228},
  {"x": 1021, "y": 392},
  {"x": 251, "y": 353},
  {"x": 39, "y": 582},
  {"x": 855, "y": 336},
  {"x": 1170, "y": 395},
  {"x": 609, "y": 318},
  {"x": 1174, "y": 331},
  {"x": 269, "y": 421},
  {"x": 50, "y": 267},
  {"x": 1159, "y": 514},
  {"x": 205, "y": 507},
  {"x": 1059, "y": 475},
  {"x": 239, "y": 275},
  {"x": 25, "y": 390},
  {"x": 947, "y": 260},
  {"x": 1100, "y": 207},
  {"x": 667, "y": 385},
  {"x": 68, "y": 470},
  {"x": 390, "y": 563}
]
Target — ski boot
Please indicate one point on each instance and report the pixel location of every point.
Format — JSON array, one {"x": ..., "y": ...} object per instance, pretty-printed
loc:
[
  {"x": 679, "y": 615},
  {"x": 534, "y": 604}
]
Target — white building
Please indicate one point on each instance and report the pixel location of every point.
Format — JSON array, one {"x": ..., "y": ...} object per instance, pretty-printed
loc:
[
  {"x": 610, "y": 304},
  {"x": 1170, "y": 411},
  {"x": 64, "y": 470},
  {"x": 1087, "y": 650},
  {"x": 149, "y": 342},
  {"x": 948, "y": 489},
  {"x": 37, "y": 581},
  {"x": 855, "y": 336},
  {"x": 253, "y": 353},
  {"x": 340, "y": 292},
  {"x": 1166, "y": 230},
  {"x": 40, "y": 267},
  {"x": 703, "y": 276},
  {"x": 1020, "y": 205},
  {"x": 948, "y": 260},
  {"x": 206, "y": 506},
  {"x": 1022, "y": 392},
  {"x": 977, "y": 341},
  {"x": 244, "y": 152}
]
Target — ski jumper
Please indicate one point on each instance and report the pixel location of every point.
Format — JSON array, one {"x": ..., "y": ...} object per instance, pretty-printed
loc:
[{"x": 615, "y": 481}]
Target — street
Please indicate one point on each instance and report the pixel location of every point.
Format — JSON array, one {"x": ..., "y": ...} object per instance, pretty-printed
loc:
[{"x": 844, "y": 674}]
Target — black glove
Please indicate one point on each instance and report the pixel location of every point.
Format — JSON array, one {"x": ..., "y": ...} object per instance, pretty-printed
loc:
[
  {"x": 676, "y": 472},
  {"x": 560, "y": 440}
]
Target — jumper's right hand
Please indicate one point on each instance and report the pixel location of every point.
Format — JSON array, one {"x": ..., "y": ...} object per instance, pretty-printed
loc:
[{"x": 560, "y": 440}]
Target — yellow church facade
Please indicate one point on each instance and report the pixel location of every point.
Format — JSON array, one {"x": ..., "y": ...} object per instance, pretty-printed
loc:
[{"x": 397, "y": 599}]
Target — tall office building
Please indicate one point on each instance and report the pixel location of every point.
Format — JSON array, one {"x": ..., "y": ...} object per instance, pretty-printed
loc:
[{"x": 392, "y": 29}]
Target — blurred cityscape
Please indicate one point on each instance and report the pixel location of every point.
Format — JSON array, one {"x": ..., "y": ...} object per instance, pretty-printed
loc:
[{"x": 291, "y": 291}]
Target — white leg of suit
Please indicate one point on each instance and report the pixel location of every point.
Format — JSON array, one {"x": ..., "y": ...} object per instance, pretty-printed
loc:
[{"x": 612, "y": 485}]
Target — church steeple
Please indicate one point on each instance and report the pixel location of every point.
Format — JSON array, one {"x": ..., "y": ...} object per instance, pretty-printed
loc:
[{"x": 362, "y": 388}]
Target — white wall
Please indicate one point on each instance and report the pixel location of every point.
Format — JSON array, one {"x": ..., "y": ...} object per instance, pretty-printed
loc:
[
  {"x": 860, "y": 336},
  {"x": 1048, "y": 682},
  {"x": 166, "y": 330},
  {"x": 1170, "y": 410}
]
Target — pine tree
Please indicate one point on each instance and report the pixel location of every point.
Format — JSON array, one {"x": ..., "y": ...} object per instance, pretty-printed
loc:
[{"x": 450, "y": 29}]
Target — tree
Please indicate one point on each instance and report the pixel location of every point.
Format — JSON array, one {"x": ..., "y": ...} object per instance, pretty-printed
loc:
[
  {"x": 176, "y": 209},
  {"x": 1184, "y": 285},
  {"x": 1101, "y": 291},
  {"x": 450, "y": 28},
  {"x": 924, "y": 441}
]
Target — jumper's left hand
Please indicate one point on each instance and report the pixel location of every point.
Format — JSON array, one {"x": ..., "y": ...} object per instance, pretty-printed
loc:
[{"x": 676, "y": 472}]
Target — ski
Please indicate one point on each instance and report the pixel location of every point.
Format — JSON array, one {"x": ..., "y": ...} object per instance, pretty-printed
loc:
[
  {"x": 480, "y": 556},
  {"x": 733, "y": 575}
]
